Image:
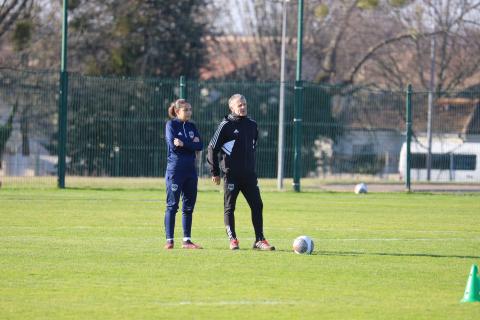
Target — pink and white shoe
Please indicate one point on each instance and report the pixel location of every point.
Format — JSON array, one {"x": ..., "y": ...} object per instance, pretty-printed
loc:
[
  {"x": 169, "y": 245},
  {"x": 234, "y": 244},
  {"x": 190, "y": 245}
]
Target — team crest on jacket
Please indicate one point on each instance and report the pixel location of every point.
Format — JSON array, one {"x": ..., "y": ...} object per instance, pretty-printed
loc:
[
  {"x": 191, "y": 134},
  {"x": 174, "y": 187},
  {"x": 230, "y": 186}
]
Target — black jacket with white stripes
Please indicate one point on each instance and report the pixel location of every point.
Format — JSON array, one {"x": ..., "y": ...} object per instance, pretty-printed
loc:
[{"x": 234, "y": 143}]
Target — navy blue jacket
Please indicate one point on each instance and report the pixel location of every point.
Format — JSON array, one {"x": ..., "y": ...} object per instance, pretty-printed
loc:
[{"x": 182, "y": 159}]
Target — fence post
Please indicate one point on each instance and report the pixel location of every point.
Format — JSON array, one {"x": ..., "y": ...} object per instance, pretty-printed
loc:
[
  {"x": 62, "y": 103},
  {"x": 298, "y": 106},
  {"x": 297, "y": 135},
  {"x": 281, "y": 104},
  {"x": 409, "y": 136},
  {"x": 116, "y": 159},
  {"x": 183, "y": 87}
]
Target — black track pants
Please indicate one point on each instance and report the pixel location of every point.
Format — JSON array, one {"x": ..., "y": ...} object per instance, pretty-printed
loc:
[{"x": 248, "y": 186}]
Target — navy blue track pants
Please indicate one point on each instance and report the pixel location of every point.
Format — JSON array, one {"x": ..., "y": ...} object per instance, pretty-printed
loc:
[{"x": 186, "y": 187}]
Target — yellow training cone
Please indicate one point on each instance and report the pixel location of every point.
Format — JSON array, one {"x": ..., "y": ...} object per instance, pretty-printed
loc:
[{"x": 472, "y": 289}]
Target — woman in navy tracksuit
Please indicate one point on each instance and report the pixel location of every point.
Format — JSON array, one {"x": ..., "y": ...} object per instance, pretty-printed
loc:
[{"x": 183, "y": 141}]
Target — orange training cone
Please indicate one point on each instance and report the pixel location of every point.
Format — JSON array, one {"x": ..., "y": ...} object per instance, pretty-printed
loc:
[{"x": 472, "y": 290}]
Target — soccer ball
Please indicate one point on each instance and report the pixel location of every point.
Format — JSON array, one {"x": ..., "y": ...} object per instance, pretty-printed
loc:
[
  {"x": 360, "y": 188},
  {"x": 303, "y": 245}
]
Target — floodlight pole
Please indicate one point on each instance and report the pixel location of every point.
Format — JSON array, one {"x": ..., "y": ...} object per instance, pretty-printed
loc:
[
  {"x": 297, "y": 120},
  {"x": 281, "y": 106},
  {"x": 430, "y": 103},
  {"x": 62, "y": 102},
  {"x": 408, "y": 137}
]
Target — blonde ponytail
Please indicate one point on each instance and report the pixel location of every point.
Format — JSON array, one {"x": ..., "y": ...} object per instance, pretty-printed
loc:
[{"x": 174, "y": 106}]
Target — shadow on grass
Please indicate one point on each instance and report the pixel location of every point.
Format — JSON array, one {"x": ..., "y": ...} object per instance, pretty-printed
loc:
[
  {"x": 392, "y": 254},
  {"x": 107, "y": 189}
]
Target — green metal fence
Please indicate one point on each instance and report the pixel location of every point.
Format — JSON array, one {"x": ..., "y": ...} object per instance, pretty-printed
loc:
[
  {"x": 29, "y": 99},
  {"x": 115, "y": 129}
]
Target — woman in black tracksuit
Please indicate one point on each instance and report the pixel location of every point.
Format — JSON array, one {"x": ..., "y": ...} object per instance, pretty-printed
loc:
[{"x": 234, "y": 142}]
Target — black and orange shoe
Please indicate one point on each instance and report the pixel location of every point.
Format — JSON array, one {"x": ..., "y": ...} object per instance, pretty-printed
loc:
[{"x": 263, "y": 245}]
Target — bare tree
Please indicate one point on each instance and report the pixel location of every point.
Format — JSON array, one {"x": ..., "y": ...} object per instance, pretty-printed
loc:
[
  {"x": 408, "y": 60},
  {"x": 11, "y": 11},
  {"x": 245, "y": 42},
  {"x": 384, "y": 44},
  {"x": 337, "y": 36}
]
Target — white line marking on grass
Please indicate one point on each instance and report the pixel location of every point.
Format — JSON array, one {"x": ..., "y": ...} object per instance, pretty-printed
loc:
[
  {"x": 352, "y": 239},
  {"x": 226, "y": 303},
  {"x": 369, "y": 231},
  {"x": 404, "y": 239},
  {"x": 216, "y": 239},
  {"x": 83, "y": 199}
]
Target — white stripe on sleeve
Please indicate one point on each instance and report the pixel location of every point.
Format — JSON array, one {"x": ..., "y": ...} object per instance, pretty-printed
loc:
[{"x": 213, "y": 142}]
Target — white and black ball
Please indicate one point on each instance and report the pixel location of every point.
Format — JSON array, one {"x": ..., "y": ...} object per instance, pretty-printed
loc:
[
  {"x": 360, "y": 188},
  {"x": 303, "y": 245}
]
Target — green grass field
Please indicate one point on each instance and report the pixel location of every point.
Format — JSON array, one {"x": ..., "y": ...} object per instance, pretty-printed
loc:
[{"x": 98, "y": 254}]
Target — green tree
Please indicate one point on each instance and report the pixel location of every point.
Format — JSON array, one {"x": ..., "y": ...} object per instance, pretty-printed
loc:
[
  {"x": 138, "y": 38},
  {"x": 117, "y": 124}
]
